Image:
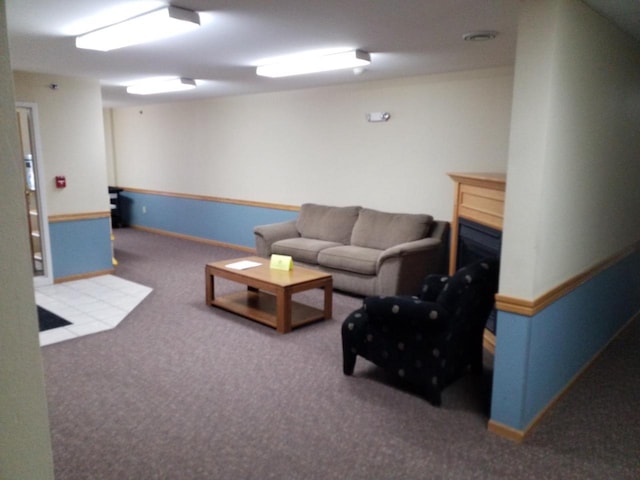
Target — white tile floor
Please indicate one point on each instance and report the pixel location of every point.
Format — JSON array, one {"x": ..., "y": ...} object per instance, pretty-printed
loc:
[{"x": 91, "y": 305}]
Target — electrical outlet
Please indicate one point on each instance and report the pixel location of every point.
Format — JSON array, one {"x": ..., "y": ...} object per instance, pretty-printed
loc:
[{"x": 144, "y": 209}]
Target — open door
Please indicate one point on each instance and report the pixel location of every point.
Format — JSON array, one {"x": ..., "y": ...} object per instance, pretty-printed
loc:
[{"x": 34, "y": 197}]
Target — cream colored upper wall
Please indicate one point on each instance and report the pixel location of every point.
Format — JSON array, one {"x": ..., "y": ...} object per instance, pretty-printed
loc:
[
  {"x": 72, "y": 138},
  {"x": 572, "y": 196},
  {"x": 316, "y": 146}
]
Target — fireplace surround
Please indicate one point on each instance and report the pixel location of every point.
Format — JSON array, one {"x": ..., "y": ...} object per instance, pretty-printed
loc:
[{"x": 476, "y": 229}]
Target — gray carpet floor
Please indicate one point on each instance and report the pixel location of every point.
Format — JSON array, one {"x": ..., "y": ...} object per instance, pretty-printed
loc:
[{"x": 181, "y": 390}]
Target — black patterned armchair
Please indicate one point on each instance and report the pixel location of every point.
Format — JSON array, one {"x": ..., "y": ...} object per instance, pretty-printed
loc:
[{"x": 428, "y": 340}]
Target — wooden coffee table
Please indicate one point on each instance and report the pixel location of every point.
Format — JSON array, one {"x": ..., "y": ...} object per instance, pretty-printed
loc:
[{"x": 267, "y": 298}]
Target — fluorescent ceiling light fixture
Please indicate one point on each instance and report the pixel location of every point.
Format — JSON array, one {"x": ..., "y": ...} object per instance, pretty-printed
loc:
[
  {"x": 161, "y": 85},
  {"x": 162, "y": 23},
  {"x": 301, "y": 64}
]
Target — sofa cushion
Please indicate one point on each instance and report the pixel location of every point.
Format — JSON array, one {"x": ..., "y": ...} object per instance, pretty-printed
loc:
[
  {"x": 301, "y": 249},
  {"x": 348, "y": 257},
  {"x": 381, "y": 230},
  {"x": 333, "y": 224}
]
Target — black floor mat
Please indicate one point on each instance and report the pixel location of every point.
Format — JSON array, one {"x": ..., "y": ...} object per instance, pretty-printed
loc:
[{"x": 48, "y": 320}]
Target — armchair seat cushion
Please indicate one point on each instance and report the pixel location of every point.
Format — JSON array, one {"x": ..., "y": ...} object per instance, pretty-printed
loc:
[
  {"x": 350, "y": 258},
  {"x": 303, "y": 249}
]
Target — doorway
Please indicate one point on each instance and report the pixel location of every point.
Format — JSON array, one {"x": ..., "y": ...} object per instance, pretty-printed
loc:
[{"x": 27, "y": 117}]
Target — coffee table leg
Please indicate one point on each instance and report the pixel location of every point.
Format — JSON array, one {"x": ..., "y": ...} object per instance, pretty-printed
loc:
[
  {"x": 283, "y": 311},
  {"x": 210, "y": 286},
  {"x": 328, "y": 301}
]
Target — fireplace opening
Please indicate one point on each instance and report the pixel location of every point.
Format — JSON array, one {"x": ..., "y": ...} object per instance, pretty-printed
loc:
[{"x": 477, "y": 241}]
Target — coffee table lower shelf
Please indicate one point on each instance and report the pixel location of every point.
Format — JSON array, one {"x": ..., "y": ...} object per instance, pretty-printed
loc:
[{"x": 262, "y": 307}]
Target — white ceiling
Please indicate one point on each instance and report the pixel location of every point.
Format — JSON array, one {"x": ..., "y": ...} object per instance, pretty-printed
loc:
[{"x": 404, "y": 37}]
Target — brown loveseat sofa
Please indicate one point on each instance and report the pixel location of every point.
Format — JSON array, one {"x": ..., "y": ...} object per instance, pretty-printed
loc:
[{"x": 367, "y": 252}]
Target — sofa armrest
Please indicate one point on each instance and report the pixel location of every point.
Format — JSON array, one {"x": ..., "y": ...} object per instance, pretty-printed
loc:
[
  {"x": 266, "y": 235},
  {"x": 409, "y": 248},
  {"x": 402, "y": 268}
]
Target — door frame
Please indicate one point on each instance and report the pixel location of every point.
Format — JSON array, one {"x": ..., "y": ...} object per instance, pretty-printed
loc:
[{"x": 43, "y": 217}]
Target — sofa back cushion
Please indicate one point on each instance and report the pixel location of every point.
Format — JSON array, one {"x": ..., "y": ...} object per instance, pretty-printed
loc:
[
  {"x": 333, "y": 224},
  {"x": 375, "y": 229}
]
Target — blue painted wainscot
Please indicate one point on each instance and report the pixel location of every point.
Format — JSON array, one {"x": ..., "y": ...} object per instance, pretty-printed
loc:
[
  {"x": 80, "y": 247},
  {"x": 212, "y": 219},
  {"x": 537, "y": 357}
]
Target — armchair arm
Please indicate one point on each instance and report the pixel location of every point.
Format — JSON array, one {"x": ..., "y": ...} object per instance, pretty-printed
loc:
[
  {"x": 266, "y": 235},
  {"x": 407, "y": 313}
]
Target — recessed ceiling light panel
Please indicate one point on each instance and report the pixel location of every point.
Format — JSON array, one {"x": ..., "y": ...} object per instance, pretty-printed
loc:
[
  {"x": 162, "y": 23},
  {"x": 161, "y": 85},
  {"x": 302, "y": 64}
]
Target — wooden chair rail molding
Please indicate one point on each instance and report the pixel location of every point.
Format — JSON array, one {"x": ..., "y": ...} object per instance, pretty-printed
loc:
[
  {"x": 72, "y": 217},
  {"x": 206, "y": 198},
  {"x": 521, "y": 306}
]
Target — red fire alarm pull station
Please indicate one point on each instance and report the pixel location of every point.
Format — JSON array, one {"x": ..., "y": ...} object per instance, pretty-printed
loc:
[{"x": 61, "y": 181}]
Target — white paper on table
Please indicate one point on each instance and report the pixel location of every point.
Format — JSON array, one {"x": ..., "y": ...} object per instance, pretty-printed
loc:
[{"x": 243, "y": 265}]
